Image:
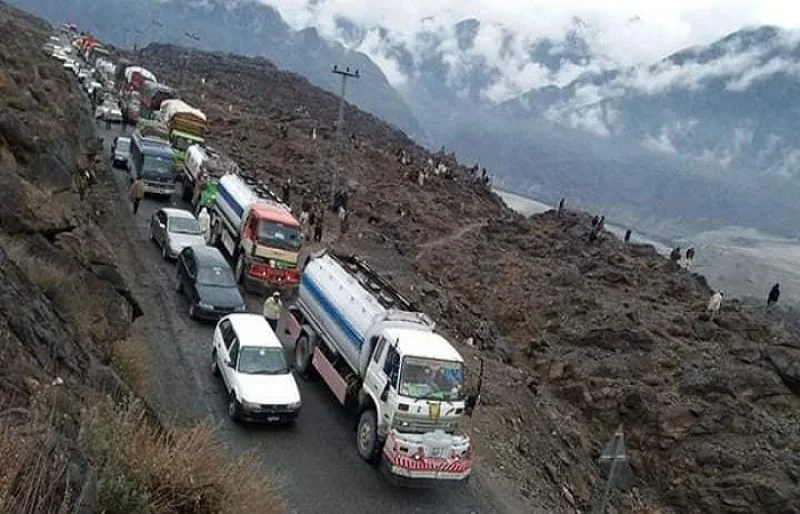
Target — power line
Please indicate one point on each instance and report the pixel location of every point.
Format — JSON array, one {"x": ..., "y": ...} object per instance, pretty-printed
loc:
[{"x": 345, "y": 74}]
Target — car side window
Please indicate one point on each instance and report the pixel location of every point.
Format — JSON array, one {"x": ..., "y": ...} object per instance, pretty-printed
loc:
[
  {"x": 233, "y": 351},
  {"x": 162, "y": 218},
  {"x": 376, "y": 353},
  {"x": 228, "y": 334},
  {"x": 392, "y": 365}
]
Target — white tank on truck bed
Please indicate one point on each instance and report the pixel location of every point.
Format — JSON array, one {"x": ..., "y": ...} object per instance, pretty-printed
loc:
[
  {"x": 345, "y": 307},
  {"x": 234, "y": 196},
  {"x": 201, "y": 159}
]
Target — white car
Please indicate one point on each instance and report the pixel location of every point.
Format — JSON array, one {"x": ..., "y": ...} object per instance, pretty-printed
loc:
[
  {"x": 247, "y": 355},
  {"x": 174, "y": 229}
]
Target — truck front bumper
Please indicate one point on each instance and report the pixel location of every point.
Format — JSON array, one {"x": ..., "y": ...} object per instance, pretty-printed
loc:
[{"x": 418, "y": 468}]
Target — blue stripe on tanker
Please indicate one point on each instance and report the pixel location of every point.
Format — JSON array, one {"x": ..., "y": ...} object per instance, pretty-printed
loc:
[
  {"x": 226, "y": 195},
  {"x": 334, "y": 313}
]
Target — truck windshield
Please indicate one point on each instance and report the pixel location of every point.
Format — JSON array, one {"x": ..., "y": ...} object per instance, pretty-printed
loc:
[
  {"x": 279, "y": 235},
  {"x": 155, "y": 166},
  {"x": 431, "y": 379}
]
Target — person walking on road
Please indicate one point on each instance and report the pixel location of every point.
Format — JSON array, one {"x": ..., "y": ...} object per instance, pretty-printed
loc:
[
  {"x": 137, "y": 193},
  {"x": 205, "y": 223},
  {"x": 272, "y": 309},
  {"x": 774, "y": 294}
]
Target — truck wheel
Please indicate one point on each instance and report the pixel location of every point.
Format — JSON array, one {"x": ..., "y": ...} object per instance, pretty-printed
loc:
[
  {"x": 367, "y": 436},
  {"x": 302, "y": 356},
  {"x": 240, "y": 269},
  {"x": 187, "y": 192}
]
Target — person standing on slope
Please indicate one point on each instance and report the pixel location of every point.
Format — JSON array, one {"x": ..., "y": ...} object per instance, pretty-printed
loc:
[
  {"x": 714, "y": 304},
  {"x": 272, "y": 309},
  {"x": 774, "y": 294},
  {"x": 205, "y": 224}
]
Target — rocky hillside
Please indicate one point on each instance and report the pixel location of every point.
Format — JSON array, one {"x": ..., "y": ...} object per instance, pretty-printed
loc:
[
  {"x": 580, "y": 336},
  {"x": 73, "y": 436},
  {"x": 63, "y": 302}
]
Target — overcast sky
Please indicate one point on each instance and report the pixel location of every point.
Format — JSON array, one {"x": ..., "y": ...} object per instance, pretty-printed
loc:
[{"x": 622, "y": 31}]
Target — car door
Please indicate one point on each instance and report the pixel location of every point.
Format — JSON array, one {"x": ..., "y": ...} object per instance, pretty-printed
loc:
[
  {"x": 191, "y": 274},
  {"x": 163, "y": 225},
  {"x": 223, "y": 338},
  {"x": 231, "y": 366},
  {"x": 391, "y": 381}
]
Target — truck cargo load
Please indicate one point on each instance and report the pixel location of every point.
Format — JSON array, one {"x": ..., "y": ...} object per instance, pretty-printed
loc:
[
  {"x": 153, "y": 94},
  {"x": 380, "y": 355},
  {"x": 145, "y": 74},
  {"x": 178, "y": 115}
]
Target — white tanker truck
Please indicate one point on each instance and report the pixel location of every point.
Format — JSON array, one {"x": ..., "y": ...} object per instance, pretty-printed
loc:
[{"x": 384, "y": 360}]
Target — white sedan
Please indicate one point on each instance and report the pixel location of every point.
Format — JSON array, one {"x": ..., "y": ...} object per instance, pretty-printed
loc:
[
  {"x": 175, "y": 229},
  {"x": 247, "y": 355}
]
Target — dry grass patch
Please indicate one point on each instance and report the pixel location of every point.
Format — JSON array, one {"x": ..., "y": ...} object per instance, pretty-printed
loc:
[
  {"x": 181, "y": 470},
  {"x": 132, "y": 358}
]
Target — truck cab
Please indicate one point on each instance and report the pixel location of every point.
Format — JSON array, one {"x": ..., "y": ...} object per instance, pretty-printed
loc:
[{"x": 270, "y": 245}]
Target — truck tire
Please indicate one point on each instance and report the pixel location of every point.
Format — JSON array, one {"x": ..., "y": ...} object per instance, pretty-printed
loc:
[
  {"x": 302, "y": 356},
  {"x": 187, "y": 191},
  {"x": 367, "y": 436},
  {"x": 239, "y": 274}
]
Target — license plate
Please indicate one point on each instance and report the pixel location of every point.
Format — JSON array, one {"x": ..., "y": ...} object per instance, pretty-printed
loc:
[{"x": 273, "y": 418}]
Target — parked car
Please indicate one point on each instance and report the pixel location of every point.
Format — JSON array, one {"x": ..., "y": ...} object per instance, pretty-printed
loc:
[
  {"x": 120, "y": 152},
  {"x": 249, "y": 358},
  {"x": 173, "y": 230},
  {"x": 206, "y": 279}
]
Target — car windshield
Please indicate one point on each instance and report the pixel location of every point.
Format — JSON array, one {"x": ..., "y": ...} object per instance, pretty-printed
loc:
[
  {"x": 262, "y": 361},
  {"x": 430, "y": 379},
  {"x": 215, "y": 276},
  {"x": 279, "y": 235},
  {"x": 181, "y": 225},
  {"x": 155, "y": 165}
]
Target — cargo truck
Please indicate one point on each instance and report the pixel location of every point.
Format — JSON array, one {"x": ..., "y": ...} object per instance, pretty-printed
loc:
[
  {"x": 383, "y": 359},
  {"x": 153, "y": 94},
  {"x": 204, "y": 162},
  {"x": 259, "y": 234},
  {"x": 186, "y": 125}
]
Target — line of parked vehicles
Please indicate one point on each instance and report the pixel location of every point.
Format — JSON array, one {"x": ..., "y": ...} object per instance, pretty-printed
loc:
[{"x": 381, "y": 357}]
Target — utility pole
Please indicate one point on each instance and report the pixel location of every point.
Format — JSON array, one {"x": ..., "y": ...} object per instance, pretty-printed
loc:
[{"x": 345, "y": 74}]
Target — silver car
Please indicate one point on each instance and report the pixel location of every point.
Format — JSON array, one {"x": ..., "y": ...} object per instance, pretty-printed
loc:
[
  {"x": 173, "y": 230},
  {"x": 120, "y": 151}
]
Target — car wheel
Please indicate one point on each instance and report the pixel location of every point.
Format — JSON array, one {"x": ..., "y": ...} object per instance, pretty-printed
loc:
[
  {"x": 150, "y": 233},
  {"x": 233, "y": 407},
  {"x": 214, "y": 366},
  {"x": 179, "y": 285},
  {"x": 367, "y": 436},
  {"x": 302, "y": 357},
  {"x": 192, "y": 309}
]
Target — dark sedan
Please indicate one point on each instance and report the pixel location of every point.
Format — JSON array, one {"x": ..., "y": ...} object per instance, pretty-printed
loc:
[{"x": 206, "y": 279}]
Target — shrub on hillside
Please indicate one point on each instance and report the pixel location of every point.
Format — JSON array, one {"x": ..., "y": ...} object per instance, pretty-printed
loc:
[{"x": 184, "y": 470}]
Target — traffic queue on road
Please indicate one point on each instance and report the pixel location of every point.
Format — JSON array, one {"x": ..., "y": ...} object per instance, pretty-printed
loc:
[{"x": 345, "y": 324}]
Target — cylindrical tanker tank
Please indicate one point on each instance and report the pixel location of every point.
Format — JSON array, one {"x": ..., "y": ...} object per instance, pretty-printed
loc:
[
  {"x": 339, "y": 304},
  {"x": 233, "y": 197}
]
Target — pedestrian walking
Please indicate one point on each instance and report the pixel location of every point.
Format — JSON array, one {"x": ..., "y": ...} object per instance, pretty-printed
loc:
[
  {"x": 137, "y": 193},
  {"x": 272, "y": 309}
]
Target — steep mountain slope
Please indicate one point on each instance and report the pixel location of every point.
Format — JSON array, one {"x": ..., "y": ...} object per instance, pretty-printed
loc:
[
  {"x": 578, "y": 336},
  {"x": 244, "y": 27},
  {"x": 73, "y": 435}
]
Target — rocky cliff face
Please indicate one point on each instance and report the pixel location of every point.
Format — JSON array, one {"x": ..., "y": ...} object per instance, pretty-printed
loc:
[
  {"x": 578, "y": 336},
  {"x": 63, "y": 302}
]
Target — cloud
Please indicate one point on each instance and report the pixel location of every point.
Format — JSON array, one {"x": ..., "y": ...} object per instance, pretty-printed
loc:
[{"x": 618, "y": 33}]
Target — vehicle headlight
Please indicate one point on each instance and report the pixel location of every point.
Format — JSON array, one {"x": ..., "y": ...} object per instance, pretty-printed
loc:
[
  {"x": 241, "y": 308},
  {"x": 295, "y": 405},
  {"x": 204, "y": 305},
  {"x": 250, "y": 405}
]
